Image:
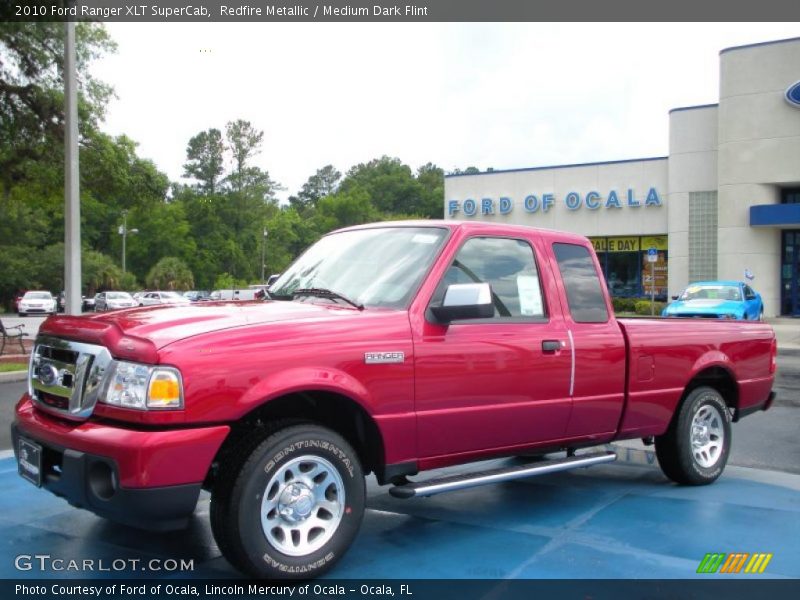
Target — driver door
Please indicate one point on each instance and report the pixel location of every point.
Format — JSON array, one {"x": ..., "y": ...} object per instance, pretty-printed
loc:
[{"x": 485, "y": 384}]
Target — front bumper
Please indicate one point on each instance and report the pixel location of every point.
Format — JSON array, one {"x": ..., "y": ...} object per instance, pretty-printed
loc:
[
  {"x": 35, "y": 311},
  {"x": 144, "y": 478}
]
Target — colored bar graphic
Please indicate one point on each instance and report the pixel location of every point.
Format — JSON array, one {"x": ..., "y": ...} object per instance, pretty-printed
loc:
[
  {"x": 714, "y": 562},
  {"x": 711, "y": 563},
  {"x": 758, "y": 563},
  {"x": 734, "y": 563}
]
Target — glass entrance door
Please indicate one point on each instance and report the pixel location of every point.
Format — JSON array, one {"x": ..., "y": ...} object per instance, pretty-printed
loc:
[{"x": 790, "y": 272}]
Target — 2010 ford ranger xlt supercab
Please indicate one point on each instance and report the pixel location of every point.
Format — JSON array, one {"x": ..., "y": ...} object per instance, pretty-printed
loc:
[{"x": 391, "y": 348}]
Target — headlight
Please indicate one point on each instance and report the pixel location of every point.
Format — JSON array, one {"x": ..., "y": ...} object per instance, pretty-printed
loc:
[{"x": 144, "y": 387}]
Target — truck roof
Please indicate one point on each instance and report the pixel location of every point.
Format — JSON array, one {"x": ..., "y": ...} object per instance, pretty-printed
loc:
[{"x": 481, "y": 226}]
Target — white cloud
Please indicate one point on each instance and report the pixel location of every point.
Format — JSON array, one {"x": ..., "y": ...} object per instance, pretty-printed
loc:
[{"x": 490, "y": 95}]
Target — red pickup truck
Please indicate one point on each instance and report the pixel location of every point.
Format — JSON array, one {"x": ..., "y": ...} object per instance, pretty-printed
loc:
[{"x": 390, "y": 348}]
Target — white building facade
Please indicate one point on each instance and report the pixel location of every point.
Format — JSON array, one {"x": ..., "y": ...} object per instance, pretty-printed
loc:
[{"x": 725, "y": 203}]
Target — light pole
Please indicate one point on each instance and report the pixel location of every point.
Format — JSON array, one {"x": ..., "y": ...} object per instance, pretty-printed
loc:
[
  {"x": 72, "y": 198},
  {"x": 263, "y": 254},
  {"x": 124, "y": 231}
]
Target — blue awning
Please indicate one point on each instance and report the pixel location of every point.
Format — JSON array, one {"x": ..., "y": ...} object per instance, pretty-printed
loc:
[{"x": 775, "y": 215}]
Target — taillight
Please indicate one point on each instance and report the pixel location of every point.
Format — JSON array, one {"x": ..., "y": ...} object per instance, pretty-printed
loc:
[{"x": 773, "y": 362}]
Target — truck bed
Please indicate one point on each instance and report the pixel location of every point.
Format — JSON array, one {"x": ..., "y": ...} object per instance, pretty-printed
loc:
[{"x": 666, "y": 354}]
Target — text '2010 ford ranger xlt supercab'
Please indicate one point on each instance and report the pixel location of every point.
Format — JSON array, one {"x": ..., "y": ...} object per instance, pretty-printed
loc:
[{"x": 391, "y": 348}]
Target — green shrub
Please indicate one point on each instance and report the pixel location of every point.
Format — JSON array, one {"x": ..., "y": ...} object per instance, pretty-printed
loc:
[
  {"x": 642, "y": 307},
  {"x": 624, "y": 304}
]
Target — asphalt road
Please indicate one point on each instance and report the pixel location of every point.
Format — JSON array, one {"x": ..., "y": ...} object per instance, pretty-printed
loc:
[{"x": 766, "y": 440}]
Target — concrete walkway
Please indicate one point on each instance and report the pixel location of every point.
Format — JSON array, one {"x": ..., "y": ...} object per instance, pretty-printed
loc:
[{"x": 787, "y": 330}]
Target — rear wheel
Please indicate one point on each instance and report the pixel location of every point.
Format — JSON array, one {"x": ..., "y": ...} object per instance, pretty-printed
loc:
[
  {"x": 695, "y": 448},
  {"x": 289, "y": 506}
]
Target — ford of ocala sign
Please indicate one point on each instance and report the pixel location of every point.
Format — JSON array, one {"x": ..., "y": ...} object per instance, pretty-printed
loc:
[
  {"x": 793, "y": 94},
  {"x": 543, "y": 203}
]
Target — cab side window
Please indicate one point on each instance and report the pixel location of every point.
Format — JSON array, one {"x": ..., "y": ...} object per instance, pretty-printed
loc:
[
  {"x": 749, "y": 294},
  {"x": 508, "y": 266},
  {"x": 587, "y": 303}
]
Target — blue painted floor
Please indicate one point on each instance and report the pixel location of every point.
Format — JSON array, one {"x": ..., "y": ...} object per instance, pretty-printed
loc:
[{"x": 622, "y": 520}]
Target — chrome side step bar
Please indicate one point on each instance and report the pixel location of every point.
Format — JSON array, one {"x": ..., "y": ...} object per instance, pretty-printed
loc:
[{"x": 468, "y": 480}]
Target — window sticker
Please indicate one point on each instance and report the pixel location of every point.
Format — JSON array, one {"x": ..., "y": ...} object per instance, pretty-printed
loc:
[
  {"x": 425, "y": 238},
  {"x": 530, "y": 296}
]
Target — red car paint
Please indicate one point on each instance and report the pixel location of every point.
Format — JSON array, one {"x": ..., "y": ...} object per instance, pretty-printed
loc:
[{"x": 465, "y": 391}]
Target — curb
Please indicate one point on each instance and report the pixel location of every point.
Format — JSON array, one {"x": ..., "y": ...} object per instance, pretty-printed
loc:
[{"x": 13, "y": 376}]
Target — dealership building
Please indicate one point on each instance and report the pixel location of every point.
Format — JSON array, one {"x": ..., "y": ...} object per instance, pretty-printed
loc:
[{"x": 724, "y": 204}]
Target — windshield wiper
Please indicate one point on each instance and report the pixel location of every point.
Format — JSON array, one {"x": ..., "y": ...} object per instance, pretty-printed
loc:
[{"x": 326, "y": 293}]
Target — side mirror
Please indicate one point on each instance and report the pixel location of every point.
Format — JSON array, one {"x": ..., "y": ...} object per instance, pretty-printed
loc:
[
  {"x": 465, "y": 301},
  {"x": 674, "y": 297}
]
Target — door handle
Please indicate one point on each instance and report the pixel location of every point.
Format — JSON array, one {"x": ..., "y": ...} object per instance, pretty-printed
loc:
[{"x": 551, "y": 345}]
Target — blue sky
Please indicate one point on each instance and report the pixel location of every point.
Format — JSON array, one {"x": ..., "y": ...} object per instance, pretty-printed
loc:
[{"x": 502, "y": 95}]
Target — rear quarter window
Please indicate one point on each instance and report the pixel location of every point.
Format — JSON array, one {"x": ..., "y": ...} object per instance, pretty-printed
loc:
[{"x": 587, "y": 303}]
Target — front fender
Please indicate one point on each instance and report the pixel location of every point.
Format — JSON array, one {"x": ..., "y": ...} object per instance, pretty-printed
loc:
[{"x": 304, "y": 379}]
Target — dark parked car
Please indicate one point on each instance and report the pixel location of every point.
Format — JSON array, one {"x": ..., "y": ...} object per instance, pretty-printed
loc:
[{"x": 197, "y": 295}]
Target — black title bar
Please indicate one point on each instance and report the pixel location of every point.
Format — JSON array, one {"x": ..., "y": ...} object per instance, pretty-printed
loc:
[{"x": 402, "y": 11}]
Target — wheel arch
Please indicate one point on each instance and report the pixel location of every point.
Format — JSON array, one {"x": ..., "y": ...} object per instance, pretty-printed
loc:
[
  {"x": 331, "y": 409},
  {"x": 717, "y": 376}
]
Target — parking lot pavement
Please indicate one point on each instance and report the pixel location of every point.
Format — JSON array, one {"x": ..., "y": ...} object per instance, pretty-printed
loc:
[{"x": 622, "y": 520}]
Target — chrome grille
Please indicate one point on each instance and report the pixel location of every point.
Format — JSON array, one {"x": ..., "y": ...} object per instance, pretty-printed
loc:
[{"x": 66, "y": 378}]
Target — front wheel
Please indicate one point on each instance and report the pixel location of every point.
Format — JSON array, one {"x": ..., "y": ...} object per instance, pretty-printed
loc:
[
  {"x": 292, "y": 506},
  {"x": 695, "y": 448}
]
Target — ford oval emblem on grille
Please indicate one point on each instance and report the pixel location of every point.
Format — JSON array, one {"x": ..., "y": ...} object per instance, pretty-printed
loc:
[
  {"x": 48, "y": 374},
  {"x": 793, "y": 94}
]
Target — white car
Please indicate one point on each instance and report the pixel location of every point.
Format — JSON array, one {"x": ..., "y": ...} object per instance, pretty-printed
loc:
[
  {"x": 160, "y": 298},
  {"x": 113, "y": 301},
  {"x": 37, "y": 303}
]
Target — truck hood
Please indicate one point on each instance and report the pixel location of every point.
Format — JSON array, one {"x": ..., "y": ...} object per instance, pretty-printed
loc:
[{"x": 157, "y": 326}]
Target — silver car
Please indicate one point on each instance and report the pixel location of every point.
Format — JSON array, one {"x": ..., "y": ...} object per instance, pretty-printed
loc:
[
  {"x": 37, "y": 303},
  {"x": 113, "y": 301},
  {"x": 160, "y": 298}
]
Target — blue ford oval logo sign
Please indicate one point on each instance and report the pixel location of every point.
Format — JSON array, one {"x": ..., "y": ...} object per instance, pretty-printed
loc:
[{"x": 793, "y": 94}]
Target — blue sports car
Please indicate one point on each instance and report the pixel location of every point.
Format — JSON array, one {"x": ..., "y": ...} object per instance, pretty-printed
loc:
[{"x": 717, "y": 300}]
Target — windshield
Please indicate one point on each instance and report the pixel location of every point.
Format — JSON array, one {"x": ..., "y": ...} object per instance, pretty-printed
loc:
[
  {"x": 712, "y": 292},
  {"x": 118, "y": 296},
  {"x": 374, "y": 267},
  {"x": 38, "y": 296}
]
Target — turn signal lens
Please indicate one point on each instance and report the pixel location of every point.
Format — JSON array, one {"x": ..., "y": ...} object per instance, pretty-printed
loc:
[{"x": 165, "y": 390}]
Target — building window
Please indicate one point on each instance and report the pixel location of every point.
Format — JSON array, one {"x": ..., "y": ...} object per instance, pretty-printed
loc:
[
  {"x": 702, "y": 236},
  {"x": 628, "y": 272},
  {"x": 790, "y": 196},
  {"x": 624, "y": 274}
]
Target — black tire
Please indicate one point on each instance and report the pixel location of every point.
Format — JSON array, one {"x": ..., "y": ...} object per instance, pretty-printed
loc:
[
  {"x": 263, "y": 472},
  {"x": 700, "y": 464}
]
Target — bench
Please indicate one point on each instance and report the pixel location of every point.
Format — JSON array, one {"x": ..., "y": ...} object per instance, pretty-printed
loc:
[{"x": 9, "y": 334}]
